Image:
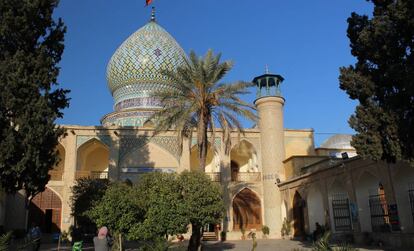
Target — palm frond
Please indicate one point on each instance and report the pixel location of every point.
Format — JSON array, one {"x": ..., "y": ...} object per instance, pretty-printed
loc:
[{"x": 194, "y": 91}]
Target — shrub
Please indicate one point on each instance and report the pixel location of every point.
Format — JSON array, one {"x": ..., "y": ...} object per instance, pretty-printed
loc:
[
  {"x": 4, "y": 241},
  {"x": 223, "y": 235},
  {"x": 322, "y": 244},
  {"x": 286, "y": 229},
  {"x": 265, "y": 230}
]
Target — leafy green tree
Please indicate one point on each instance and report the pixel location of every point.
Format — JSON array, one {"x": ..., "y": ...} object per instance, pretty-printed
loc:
[
  {"x": 85, "y": 194},
  {"x": 197, "y": 101},
  {"x": 118, "y": 209},
  {"x": 382, "y": 80},
  {"x": 203, "y": 203},
  {"x": 31, "y": 46},
  {"x": 159, "y": 195}
]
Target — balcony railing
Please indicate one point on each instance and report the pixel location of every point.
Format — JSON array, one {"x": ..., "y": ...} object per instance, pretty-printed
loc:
[
  {"x": 55, "y": 175},
  {"x": 247, "y": 177},
  {"x": 214, "y": 176},
  {"x": 91, "y": 174}
]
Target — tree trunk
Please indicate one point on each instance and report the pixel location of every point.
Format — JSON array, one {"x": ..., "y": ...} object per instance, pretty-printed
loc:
[
  {"x": 195, "y": 239},
  {"x": 202, "y": 141}
]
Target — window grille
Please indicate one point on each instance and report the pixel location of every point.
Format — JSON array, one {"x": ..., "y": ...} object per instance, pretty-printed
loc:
[
  {"x": 341, "y": 212},
  {"x": 380, "y": 220}
]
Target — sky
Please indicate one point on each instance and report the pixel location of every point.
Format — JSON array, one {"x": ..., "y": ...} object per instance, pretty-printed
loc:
[{"x": 304, "y": 41}]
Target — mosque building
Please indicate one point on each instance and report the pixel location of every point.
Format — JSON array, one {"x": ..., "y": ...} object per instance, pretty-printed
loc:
[{"x": 271, "y": 173}]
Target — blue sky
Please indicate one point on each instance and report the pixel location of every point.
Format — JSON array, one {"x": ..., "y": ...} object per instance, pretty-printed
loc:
[{"x": 304, "y": 41}]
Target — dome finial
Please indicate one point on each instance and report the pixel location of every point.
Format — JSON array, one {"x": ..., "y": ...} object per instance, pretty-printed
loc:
[
  {"x": 266, "y": 69},
  {"x": 153, "y": 14}
]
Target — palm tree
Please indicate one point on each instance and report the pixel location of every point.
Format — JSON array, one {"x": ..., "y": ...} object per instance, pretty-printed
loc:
[{"x": 196, "y": 101}]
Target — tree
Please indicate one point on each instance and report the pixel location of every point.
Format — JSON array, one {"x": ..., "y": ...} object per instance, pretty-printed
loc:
[
  {"x": 382, "y": 80},
  {"x": 196, "y": 100},
  {"x": 85, "y": 194},
  {"x": 31, "y": 46},
  {"x": 203, "y": 202},
  {"x": 118, "y": 209},
  {"x": 160, "y": 197}
]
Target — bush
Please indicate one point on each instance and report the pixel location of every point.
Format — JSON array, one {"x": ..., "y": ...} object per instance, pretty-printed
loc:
[
  {"x": 286, "y": 229},
  {"x": 322, "y": 244},
  {"x": 223, "y": 235},
  {"x": 5, "y": 241},
  {"x": 265, "y": 230}
]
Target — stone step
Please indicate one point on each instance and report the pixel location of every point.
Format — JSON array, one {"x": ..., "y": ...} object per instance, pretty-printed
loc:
[{"x": 209, "y": 236}]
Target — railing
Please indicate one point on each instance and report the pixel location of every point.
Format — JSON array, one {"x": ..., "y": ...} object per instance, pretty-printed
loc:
[
  {"x": 55, "y": 175},
  {"x": 247, "y": 177},
  {"x": 214, "y": 176},
  {"x": 91, "y": 174}
]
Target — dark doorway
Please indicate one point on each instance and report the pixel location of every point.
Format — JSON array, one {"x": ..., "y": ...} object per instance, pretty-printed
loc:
[
  {"x": 247, "y": 211},
  {"x": 234, "y": 170},
  {"x": 209, "y": 228},
  {"x": 48, "y": 221},
  {"x": 298, "y": 215}
]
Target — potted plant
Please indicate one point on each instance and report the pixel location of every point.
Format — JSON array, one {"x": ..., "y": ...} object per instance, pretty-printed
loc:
[
  {"x": 265, "y": 231},
  {"x": 223, "y": 235}
]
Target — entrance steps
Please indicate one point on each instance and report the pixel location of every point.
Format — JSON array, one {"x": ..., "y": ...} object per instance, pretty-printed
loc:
[{"x": 209, "y": 236}]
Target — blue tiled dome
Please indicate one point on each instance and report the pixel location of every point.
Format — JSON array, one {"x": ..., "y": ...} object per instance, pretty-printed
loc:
[
  {"x": 134, "y": 71},
  {"x": 135, "y": 68}
]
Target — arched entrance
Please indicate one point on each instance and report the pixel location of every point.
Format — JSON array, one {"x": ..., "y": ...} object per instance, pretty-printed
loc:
[
  {"x": 298, "y": 215},
  {"x": 45, "y": 210},
  {"x": 247, "y": 211}
]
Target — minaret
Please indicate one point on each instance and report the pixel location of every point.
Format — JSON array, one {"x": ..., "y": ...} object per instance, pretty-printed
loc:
[{"x": 269, "y": 103}]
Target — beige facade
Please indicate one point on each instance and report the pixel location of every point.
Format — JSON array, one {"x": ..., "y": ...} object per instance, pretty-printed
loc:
[{"x": 270, "y": 173}]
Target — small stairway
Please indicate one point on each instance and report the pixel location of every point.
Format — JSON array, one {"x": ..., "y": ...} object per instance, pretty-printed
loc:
[{"x": 209, "y": 236}]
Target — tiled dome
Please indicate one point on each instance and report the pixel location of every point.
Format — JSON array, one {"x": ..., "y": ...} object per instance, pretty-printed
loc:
[{"x": 134, "y": 70}]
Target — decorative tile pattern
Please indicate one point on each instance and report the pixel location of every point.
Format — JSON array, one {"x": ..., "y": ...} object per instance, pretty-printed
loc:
[
  {"x": 134, "y": 91},
  {"x": 105, "y": 139},
  {"x": 132, "y": 118},
  {"x": 141, "y": 58},
  {"x": 217, "y": 142},
  {"x": 132, "y": 143},
  {"x": 141, "y": 102}
]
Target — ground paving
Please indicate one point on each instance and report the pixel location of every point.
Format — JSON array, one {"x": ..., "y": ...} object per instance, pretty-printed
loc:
[{"x": 263, "y": 245}]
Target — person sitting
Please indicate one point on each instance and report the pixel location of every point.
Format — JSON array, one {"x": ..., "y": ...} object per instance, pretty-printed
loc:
[
  {"x": 35, "y": 235},
  {"x": 318, "y": 232}
]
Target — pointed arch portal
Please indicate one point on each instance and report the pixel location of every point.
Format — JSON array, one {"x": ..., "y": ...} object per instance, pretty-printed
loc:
[
  {"x": 298, "y": 215},
  {"x": 45, "y": 210},
  {"x": 247, "y": 210}
]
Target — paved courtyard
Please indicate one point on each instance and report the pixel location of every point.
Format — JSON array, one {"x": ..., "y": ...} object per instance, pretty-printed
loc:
[{"x": 263, "y": 245}]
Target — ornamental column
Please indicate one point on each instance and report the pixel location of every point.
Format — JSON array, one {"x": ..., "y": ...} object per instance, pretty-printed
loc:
[{"x": 269, "y": 103}]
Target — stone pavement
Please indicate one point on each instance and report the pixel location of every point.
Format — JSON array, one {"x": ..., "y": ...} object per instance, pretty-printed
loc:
[{"x": 263, "y": 245}]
